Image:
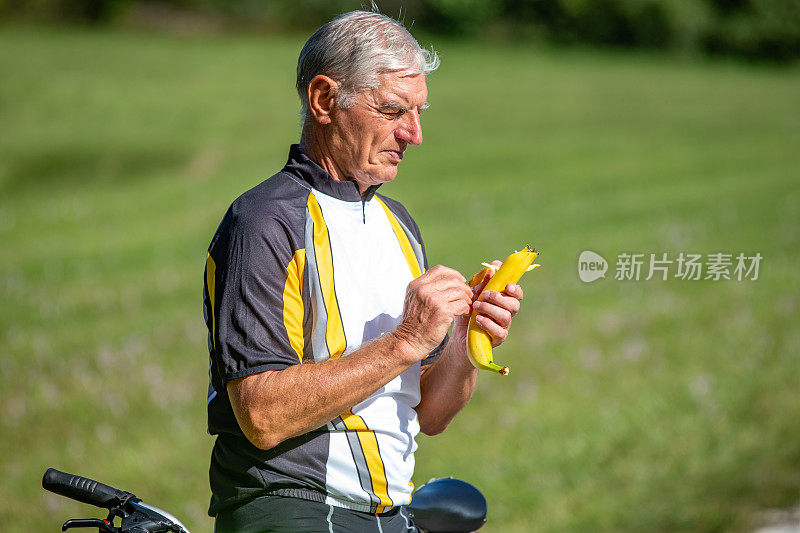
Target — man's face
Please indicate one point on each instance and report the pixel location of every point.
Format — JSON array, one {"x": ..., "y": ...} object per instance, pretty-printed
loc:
[{"x": 368, "y": 139}]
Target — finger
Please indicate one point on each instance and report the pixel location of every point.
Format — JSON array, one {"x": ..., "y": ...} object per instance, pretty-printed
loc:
[
  {"x": 446, "y": 283},
  {"x": 466, "y": 296},
  {"x": 453, "y": 307},
  {"x": 509, "y": 303},
  {"x": 448, "y": 280},
  {"x": 498, "y": 314},
  {"x": 457, "y": 294},
  {"x": 515, "y": 291},
  {"x": 460, "y": 307},
  {"x": 495, "y": 331},
  {"x": 486, "y": 277},
  {"x": 496, "y": 264},
  {"x": 476, "y": 290},
  {"x": 441, "y": 271},
  {"x": 444, "y": 290}
]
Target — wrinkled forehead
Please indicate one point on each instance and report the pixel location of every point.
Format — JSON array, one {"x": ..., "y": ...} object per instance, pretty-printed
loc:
[{"x": 407, "y": 89}]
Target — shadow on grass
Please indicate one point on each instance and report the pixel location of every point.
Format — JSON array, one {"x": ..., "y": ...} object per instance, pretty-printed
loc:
[{"x": 68, "y": 168}]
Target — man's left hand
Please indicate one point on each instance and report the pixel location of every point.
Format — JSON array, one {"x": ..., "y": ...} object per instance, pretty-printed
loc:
[{"x": 495, "y": 311}]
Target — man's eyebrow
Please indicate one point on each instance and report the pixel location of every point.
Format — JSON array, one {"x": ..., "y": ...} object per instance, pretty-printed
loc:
[
  {"x": 397, "y": 105},
  {"x": 392, "y": 103}
]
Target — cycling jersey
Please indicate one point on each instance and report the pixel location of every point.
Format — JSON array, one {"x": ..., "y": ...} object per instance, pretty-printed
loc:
[{"x": 302, "y": 270}]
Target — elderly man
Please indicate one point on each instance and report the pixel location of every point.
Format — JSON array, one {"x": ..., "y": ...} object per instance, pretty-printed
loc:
[{"x": 327, "y": 331}]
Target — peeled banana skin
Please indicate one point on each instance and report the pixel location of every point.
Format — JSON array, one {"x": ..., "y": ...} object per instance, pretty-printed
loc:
[{"x": 479, "y": 343}]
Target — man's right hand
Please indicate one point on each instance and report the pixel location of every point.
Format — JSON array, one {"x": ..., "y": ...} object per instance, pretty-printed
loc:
[
  {"x": 432, "y": 300},
  {"x": 275, "y": 405}
]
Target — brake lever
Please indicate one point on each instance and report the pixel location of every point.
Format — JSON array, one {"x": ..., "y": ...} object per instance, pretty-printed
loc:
[{"x": 103, "y": 526}]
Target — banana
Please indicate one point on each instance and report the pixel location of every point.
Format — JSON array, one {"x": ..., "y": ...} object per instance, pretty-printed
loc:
[{"x": 479, "y": 343}]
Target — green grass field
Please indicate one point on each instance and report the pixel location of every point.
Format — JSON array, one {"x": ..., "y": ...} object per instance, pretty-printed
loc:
[{"x": 631, "y": 406}]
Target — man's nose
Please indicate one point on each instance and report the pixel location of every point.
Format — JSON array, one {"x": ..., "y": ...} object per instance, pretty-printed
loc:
[{"x": 410, "y": 130}]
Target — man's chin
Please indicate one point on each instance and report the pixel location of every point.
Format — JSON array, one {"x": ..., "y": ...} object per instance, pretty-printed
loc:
[
  {"x": 379, "y": 174},
  {"x": 387, "y": 174}
]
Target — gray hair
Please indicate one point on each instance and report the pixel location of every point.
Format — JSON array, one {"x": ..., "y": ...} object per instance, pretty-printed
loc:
[{"x": 353, "y": 49}]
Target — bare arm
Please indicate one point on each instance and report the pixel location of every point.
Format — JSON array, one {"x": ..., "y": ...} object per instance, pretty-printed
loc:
[
  {"x": 449, "y": 383},
  {"x": 446, "y": 387},
  {"x": 275, "y": 405}
]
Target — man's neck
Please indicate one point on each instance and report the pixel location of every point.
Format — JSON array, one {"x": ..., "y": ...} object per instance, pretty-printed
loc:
[{"x": 314, "y": 144}]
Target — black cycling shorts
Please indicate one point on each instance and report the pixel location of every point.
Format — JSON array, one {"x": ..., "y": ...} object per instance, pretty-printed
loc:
[{"x": 280, "y": 514}]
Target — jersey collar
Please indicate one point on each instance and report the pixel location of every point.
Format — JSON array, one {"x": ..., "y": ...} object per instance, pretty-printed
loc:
[{"x": 303, "y": 167}]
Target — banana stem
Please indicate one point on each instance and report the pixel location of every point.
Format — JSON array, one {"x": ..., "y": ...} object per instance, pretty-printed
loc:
[{"x": 502, "y": 370}]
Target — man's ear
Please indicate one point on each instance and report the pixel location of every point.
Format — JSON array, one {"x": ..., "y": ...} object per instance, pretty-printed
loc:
[{"x": 321, "y": 98}]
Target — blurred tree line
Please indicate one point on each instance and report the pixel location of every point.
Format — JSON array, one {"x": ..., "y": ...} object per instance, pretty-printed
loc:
[{"x": 755, "y": 29}]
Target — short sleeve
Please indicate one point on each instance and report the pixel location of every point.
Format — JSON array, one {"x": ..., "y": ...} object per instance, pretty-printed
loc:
[{"x": 257, "y": 281}]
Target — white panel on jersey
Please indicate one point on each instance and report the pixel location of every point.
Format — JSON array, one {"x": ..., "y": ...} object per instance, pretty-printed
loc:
[
  {"x": 342, "y": 479},
  {"x": 371, "y": 275}
]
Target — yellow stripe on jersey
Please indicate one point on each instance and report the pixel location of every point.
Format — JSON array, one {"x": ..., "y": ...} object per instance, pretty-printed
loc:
[
  {"x": 369, "y": 444},
  {"x": 293, "y": 309},
  {"x": 334, "y": 332},
  {"x": 211, "y": 270},
  {"x": 402, "y": 238}
]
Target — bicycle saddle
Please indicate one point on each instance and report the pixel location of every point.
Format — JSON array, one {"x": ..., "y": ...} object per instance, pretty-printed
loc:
[{"x": 448, "y": 505}]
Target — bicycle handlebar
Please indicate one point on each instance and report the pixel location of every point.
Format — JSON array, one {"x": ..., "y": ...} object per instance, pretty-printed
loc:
[
  {"x": 83, "y": 489},
  {"x": 135, "y": 515}
]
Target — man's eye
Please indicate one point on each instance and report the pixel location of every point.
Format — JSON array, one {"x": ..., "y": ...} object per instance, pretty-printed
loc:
[{"x": 395, "y": 113}]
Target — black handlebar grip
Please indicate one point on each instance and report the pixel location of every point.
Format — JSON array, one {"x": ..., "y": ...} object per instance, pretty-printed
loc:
[{"x": 80, "y": 488}]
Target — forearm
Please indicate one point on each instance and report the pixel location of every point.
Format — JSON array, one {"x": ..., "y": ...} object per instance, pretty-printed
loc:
[
  {"x": 446, "y": 387},
  {"x": 275, "y": 405}
]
